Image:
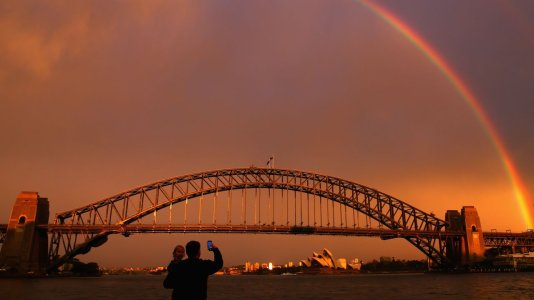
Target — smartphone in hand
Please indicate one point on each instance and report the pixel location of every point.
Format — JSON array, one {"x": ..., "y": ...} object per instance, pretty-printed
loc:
[{"x": 210, "y": 246}]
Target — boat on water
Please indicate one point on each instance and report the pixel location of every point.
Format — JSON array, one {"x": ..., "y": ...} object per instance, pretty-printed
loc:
[{"x": 288, "y": 274}]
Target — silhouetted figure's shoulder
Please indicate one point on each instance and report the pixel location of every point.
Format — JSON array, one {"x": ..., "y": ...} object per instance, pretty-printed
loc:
[{"x": 170, "y": 280}]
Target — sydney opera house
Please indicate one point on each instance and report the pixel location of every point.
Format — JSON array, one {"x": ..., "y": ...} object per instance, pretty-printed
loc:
[{"x": 326, "y": 260}]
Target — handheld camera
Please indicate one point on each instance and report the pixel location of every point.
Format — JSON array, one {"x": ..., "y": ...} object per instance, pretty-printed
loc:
[{"x": 210, "y": 246}]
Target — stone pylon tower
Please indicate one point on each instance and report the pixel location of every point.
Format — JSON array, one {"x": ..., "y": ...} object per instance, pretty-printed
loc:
[
  {"x": 468, "y": 249},
  {"x": 25, "y": 248},
  {"x": 474, "y": 239}
]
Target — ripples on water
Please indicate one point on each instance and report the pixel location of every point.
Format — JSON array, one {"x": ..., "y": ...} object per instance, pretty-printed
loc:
[{"x": 364, "y": 286}]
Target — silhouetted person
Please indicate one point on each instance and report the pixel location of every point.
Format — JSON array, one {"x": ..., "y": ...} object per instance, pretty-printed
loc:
[
  {"x": 177, "y": 255},
  {"x": 189, "y": 278}
]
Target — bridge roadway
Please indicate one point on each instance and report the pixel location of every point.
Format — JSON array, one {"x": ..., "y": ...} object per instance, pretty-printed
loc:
[
  {"x": 491, "y": 239},
  {"x": 279, "y": 229}
]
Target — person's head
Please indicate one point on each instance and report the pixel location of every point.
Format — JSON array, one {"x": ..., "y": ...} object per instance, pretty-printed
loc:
[
  {"x": 193, "y": 249},
  {"x": 178, "y": 252}
]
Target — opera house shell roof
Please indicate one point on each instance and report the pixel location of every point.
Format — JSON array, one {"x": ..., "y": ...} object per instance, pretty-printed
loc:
[{"x": 326, "y": 260}]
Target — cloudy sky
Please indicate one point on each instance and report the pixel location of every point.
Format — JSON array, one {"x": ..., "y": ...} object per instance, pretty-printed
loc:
[{"x": 97, "y": 97}]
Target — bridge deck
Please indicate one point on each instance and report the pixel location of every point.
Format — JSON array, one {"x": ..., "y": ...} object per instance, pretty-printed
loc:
[
  {"x": 491, "y": 238},
  {"x": 190, "y": 228}
]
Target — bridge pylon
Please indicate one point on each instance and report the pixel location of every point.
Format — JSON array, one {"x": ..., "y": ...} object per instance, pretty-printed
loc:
[
  {"x": 467, "y": 249},
  {"x": 25, "y": 250}
]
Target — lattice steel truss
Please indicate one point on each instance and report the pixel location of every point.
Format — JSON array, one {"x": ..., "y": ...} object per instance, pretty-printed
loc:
[
  {"x": 125, "y": 209},
  {"x": 509, "y": 239},
  {"x": 2, "y": 236}
]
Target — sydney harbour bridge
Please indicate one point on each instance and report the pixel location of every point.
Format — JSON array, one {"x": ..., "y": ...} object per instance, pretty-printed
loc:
[{"x": 245, "y": 200}]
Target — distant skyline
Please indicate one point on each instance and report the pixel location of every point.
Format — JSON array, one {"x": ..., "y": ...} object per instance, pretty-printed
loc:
[{"x": 99, "y": 97}]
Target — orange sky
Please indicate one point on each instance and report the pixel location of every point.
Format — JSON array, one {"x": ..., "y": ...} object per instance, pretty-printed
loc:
[{"x": 97, "y": 99}]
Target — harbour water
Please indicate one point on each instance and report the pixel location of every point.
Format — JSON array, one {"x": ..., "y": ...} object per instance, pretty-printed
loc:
[{"x": 359, "y": 286}]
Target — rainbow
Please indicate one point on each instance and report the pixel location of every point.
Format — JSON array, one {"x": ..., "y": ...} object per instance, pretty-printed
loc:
[{"x": 519, "y": 189}]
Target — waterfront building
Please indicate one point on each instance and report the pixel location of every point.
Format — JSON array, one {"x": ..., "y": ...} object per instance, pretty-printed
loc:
[
  {"x": 326, "y": 259},
  {"x": 517, "y": 261},
  {"x": 355, "y": 264},
  {"x": 341, "y": 263},
  {"x": 386, "y": 259},
  {"x": 231, "y": 271}
]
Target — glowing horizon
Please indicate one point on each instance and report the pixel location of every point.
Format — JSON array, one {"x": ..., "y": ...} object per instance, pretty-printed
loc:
[{"x": 519, "y": 190}]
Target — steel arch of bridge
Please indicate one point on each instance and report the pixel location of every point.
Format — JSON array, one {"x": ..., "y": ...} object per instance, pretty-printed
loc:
[{"x": 119, "y": 211}]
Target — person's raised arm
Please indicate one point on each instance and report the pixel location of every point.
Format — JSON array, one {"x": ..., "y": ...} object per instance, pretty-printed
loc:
[{"x": 218, "y": 263}]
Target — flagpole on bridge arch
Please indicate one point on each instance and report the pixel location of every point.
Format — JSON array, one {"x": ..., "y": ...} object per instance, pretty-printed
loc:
[{"x": 270, "y": 162}]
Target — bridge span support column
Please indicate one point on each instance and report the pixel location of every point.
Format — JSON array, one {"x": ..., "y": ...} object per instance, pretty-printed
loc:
[
  {"x": 25, "y": 249},
  {"x": 468, "y": 249}
]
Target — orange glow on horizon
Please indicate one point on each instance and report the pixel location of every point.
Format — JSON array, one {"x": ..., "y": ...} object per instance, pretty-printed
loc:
[{"x": 520, "y": 192}]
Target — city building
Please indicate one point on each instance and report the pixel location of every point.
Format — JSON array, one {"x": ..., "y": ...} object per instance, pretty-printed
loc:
[
  {"x": 355, "y": 264},
  {"x": 386, "y": 259},
  {"x": 341, "y": 263},
  {"x": 517, "y": 261}
]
